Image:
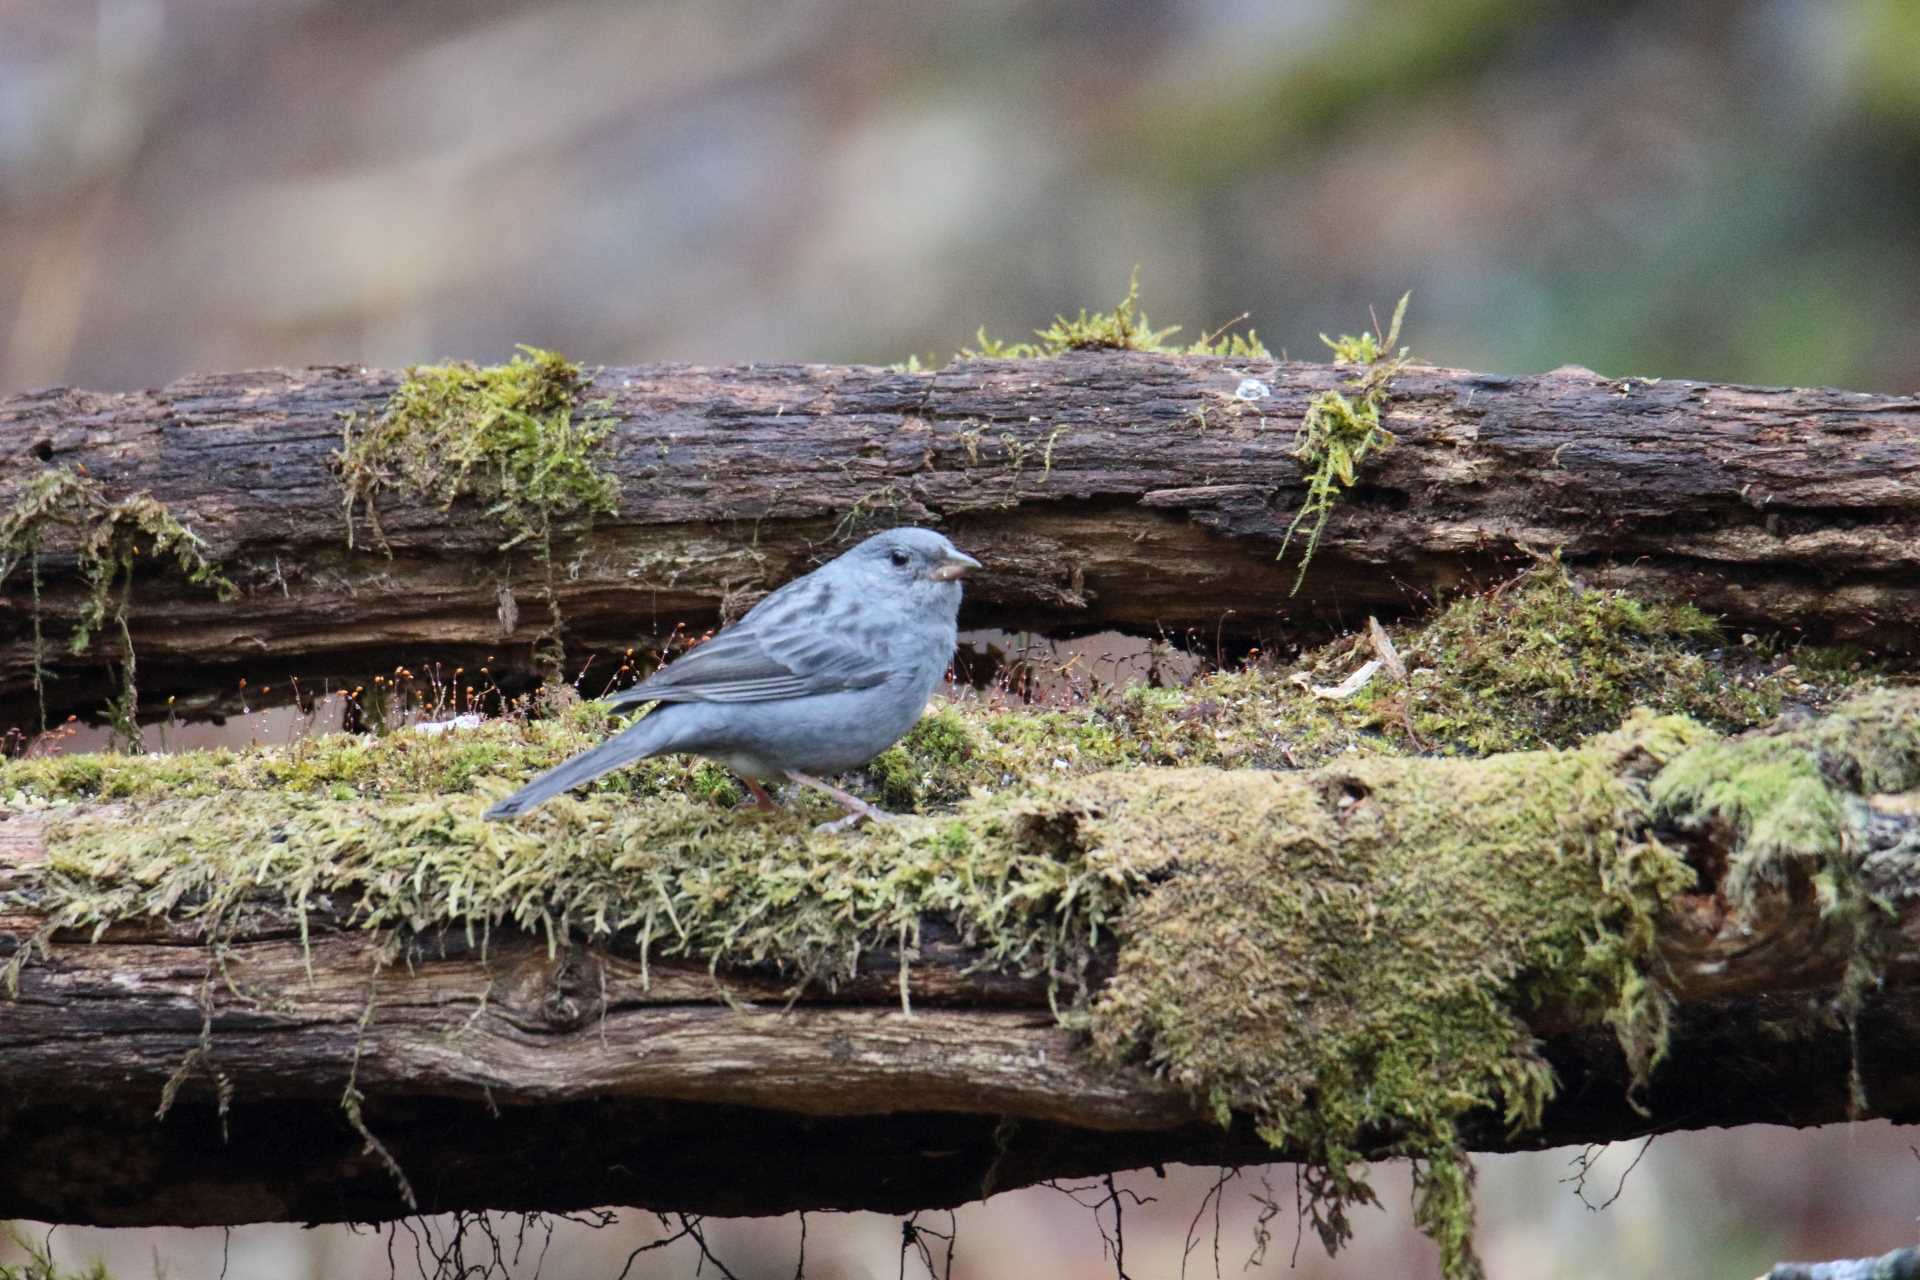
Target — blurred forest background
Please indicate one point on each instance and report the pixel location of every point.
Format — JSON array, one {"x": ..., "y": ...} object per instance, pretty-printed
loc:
[{"x": 1723, "y": 189}]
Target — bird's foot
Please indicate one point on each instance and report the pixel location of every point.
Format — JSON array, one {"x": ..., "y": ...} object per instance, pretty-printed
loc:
[
  {"x": 858, "y": 810},
  {"x": 757, "y": 801}
]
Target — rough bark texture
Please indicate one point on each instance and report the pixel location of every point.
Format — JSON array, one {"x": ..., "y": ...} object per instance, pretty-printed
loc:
[
  {"x": 524, "y": 1080},
  {"x": 1101, "y": 489}
]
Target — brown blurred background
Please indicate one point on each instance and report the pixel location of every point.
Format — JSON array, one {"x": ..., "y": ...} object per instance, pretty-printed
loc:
[
  {"x": 1719, "y": 189},
  {"x": 1722, "y": 189}
]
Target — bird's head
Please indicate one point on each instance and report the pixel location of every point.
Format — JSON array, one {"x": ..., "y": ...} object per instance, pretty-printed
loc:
[{"x": 917, "y": 564}]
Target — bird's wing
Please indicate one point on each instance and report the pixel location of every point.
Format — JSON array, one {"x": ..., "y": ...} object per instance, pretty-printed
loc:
[{"x": 791, "y": 645}]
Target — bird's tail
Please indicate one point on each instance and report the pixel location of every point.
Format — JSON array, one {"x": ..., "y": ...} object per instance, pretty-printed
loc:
[{"x": 636, "y": 743}]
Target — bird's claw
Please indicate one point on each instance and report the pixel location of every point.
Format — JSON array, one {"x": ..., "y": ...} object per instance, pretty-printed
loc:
[{"x": 850, "y": 821}]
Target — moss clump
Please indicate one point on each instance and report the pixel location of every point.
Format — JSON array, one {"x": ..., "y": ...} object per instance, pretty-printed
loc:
[
  {"x": 346, "y": 766},
  {"x": 1786, "y": 797},
  {"x": 677, "y": 874},
  {"x": 1787, "y": 802},
  {"x": 64, "y": 504},
  {"x": 1125, "y": 328},
  {"x": 1348, "y": 955},
  {"x": 1541, "y": 661},
  {"x": 1339, "y": 433},
  {"x": 505, "y": 435},
  {"x": 1544, "y": 661}
]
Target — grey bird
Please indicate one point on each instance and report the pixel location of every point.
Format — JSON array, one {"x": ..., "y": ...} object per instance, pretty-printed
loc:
[{"x": 818, "y": 678}]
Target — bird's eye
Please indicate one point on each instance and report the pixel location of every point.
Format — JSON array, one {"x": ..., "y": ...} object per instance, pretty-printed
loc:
[{"x": 900, "y": 558}]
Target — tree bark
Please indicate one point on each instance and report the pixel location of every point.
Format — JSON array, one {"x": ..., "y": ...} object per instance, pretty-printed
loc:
[
  {"x": 527, "y": 1080},
  {"x": 1102, "y": 490}
]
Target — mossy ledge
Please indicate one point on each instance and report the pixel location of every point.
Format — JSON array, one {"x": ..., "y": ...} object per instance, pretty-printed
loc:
[{"x": 1348, "y": 954}]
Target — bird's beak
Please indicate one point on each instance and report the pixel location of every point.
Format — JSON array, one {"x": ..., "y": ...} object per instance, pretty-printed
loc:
[{"x": 954, "y": 566}]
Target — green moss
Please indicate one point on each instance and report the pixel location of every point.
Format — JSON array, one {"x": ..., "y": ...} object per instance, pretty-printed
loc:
[
  {"x": 1787, "y": 803},
  {"x": 1339, "y": 432},
  {"x": 1348, "y": 955},
  {"x": 1538, "y": 662},
  {"x": 1125, "y": 328},
  {"x": 505, "y": 435},
  {"x": 345, "y": 765},
  {"x": 64, "y": 505},
  {"x": 678, "y": 872},
  {"x": 1345, "y": 955},
  {"x": 1543, "y": 661},
  {"x": 1784, "y": 795}
]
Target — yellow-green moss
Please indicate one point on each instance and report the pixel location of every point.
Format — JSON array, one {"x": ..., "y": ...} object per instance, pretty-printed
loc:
[
  {"x": 1339, "y": 433},
  {"x": 1544, "y": 660},
  {"x": 64, "y": 504},
  {"x": 1789, "y": 799},
  {"x": 1539, "y": 662},
  {"x": 1787, "y": 796},
  {"x": 341, "y": 765},
  {"x": 675, "y": 871},
  {"x": 1125, "y": 328},
  {"x": 1345, "y": 955},
  {"x": 505, "y": 435},
  {"x": 1348, "y": 954}
]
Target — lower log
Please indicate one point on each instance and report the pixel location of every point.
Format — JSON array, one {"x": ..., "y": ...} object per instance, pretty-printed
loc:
[
  {"x": 552, "y": 1096},
  {"x": 555, "y": 1082},
  {"x": 151, "y": 1078}
]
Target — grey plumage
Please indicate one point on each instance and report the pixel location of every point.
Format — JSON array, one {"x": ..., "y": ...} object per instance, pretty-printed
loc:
[{"x": 818, "y": 678}]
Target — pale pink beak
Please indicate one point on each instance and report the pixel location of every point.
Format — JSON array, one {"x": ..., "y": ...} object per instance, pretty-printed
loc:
[{"x": 954, "y": 566}]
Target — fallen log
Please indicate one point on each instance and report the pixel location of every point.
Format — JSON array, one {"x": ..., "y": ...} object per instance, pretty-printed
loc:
[
  {"x": 562, "y": 1066},
  {"x": 1102, "y": 489}
]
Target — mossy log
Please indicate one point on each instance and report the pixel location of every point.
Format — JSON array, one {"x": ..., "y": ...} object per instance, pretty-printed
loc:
[
  {"x": 512, "y": 1072},
  {"x": 1101, "y": 489}
]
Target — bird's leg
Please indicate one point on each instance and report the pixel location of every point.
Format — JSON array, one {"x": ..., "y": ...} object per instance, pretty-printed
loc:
[
  {"x": 856, "y": 808},
  {"x": 757, "y": 797}
]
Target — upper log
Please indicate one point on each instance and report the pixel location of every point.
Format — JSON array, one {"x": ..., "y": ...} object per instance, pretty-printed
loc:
[{"x": 1101, "y": 489}]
